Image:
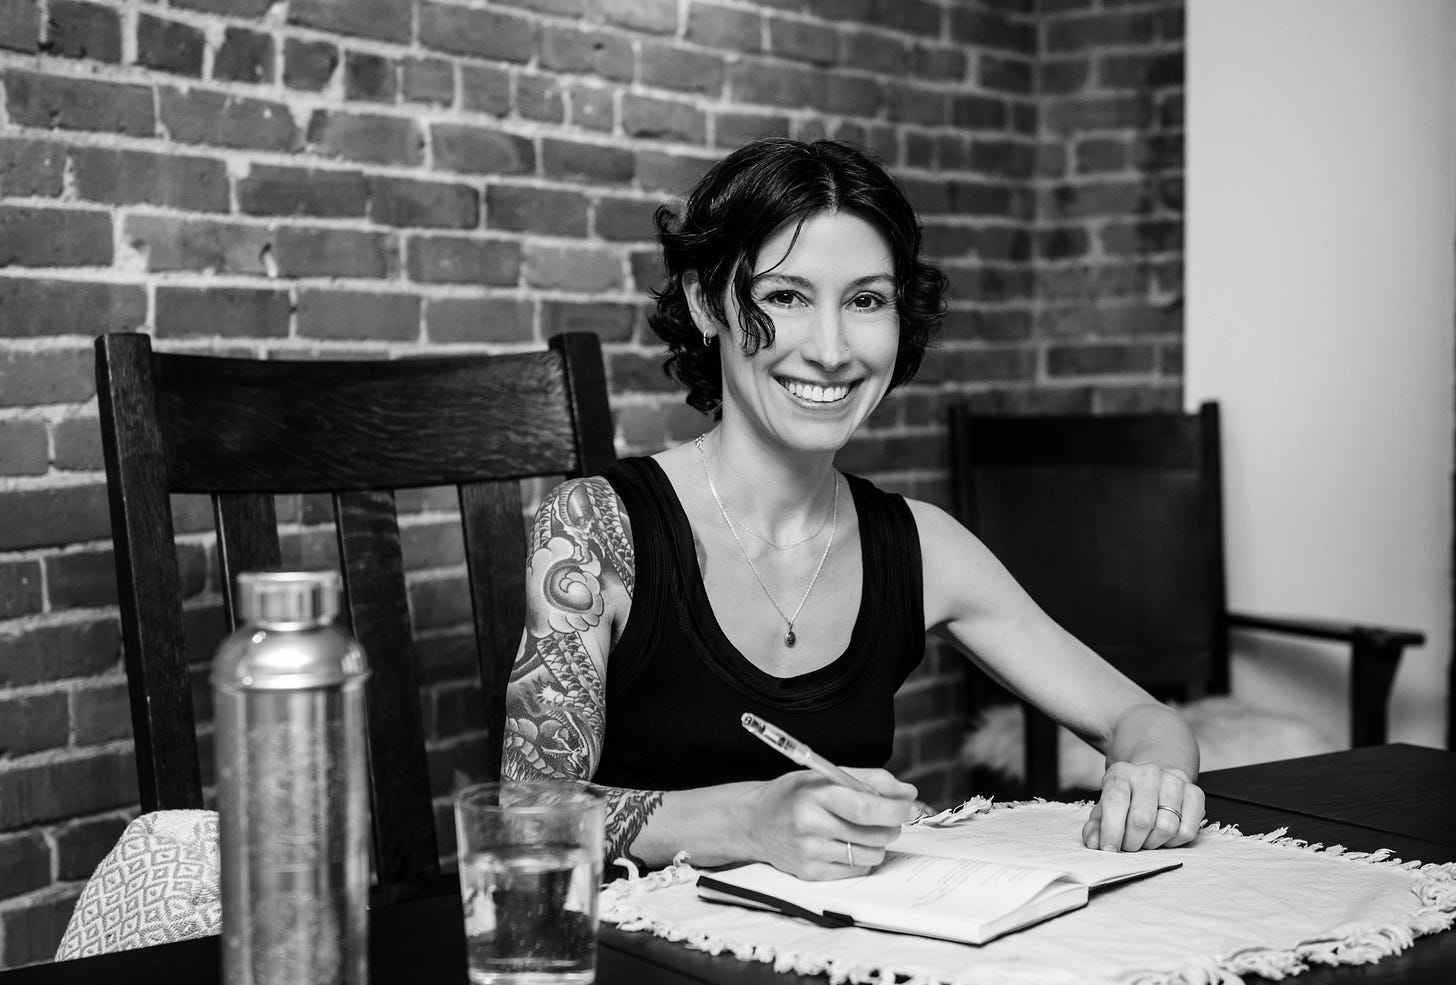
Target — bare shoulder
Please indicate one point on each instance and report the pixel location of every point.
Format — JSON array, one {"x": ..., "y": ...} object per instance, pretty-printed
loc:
[
  {"x": 961, "y": 576},
  {"x": 588, "y": 513}
]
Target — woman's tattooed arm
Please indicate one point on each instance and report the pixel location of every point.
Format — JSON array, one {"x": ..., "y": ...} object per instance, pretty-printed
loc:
[{"x": 580, "y": 572}]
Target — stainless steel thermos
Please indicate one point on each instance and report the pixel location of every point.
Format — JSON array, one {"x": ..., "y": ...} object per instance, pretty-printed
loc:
[{"x": 292, "y": 787}]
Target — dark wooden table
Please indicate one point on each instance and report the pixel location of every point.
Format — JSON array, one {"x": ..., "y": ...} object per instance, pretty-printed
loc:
[{"x": 1397, "y": 796}]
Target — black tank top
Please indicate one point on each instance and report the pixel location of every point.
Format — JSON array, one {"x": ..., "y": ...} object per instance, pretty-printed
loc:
[{"x": 676, "y": 686}]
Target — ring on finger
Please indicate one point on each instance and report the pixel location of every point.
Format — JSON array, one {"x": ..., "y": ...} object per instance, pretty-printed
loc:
[
  {"x": 1172, "y": 810},
  {"x": 849, "y": 853}
]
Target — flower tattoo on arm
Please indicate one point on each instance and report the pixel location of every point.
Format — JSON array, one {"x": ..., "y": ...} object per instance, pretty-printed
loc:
[{"x": 556, "y": 698}]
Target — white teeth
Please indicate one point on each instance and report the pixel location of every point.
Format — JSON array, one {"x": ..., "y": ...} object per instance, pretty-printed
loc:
[{"x": 815, "y": 393}]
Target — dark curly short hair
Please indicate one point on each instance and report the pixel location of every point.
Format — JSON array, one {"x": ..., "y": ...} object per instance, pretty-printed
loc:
[{"x": 737, "y": 205}]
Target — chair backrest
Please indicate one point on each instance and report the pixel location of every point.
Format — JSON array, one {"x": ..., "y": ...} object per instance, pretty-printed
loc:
[
  {"x": 245, "y": 430},
  {"x": 1114, "y": 525}
]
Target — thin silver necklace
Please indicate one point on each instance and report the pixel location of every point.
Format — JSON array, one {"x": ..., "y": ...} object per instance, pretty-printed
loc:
[{"x": 789, "y": 638}]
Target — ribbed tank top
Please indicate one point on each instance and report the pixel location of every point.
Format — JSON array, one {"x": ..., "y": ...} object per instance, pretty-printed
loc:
[{"x": 676, "y": 686}]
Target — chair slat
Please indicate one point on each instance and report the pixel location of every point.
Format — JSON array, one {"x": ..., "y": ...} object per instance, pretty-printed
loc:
[
  {"x": 495, "y": 553},
  {"x": 148, "y": 585},
  {"x": 377, "y": 605},
  {"x": 247, "y": 540}
]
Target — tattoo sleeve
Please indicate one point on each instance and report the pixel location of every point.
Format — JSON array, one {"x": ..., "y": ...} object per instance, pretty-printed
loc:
[{"x": 555, "y": 701}]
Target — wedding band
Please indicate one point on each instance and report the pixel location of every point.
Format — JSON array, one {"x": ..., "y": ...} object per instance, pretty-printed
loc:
[
  {"x": 849, "y": 853},
  {"x": 1172, "y": 810}
]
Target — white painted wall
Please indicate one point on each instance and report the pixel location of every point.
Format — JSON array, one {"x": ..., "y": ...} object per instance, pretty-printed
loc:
[{"x": 1321, "y": 196}]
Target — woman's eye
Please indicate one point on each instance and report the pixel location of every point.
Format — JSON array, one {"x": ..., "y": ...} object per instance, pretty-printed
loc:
[
  {"x": 782, "y": 299},
  {"x": 867, "y": 302}
]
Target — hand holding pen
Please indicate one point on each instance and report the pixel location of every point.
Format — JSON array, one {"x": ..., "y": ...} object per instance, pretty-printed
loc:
[{"x": 832, "y": 836}]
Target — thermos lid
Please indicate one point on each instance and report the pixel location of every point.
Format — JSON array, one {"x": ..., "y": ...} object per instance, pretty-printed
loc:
[
  {"x": 286, "y": 639},
  {"x": 272, "y": 597}
]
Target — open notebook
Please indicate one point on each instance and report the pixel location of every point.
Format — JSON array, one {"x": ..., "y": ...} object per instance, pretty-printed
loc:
[{"x": 950, "y": 882}]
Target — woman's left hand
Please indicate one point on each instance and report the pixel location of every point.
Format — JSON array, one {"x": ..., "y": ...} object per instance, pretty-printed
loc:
[{"x": 1142, "y": 806}]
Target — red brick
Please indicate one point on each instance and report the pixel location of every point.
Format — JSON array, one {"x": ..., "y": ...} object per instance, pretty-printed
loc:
[
  {"x": 1140, "y": 71},
  {"x": 428, "y": 80},
  {"x": 733, "y": 129},
  {"x": 375, "y": 139},
  {"x": 944, "y": 240},
  {"x": 982, "y": 365},
  {"x": 31, "y": 168},
  {"x": 804, "y": 41},
  {"x": 404, "y": 202},
  {"x": 431, "y": 544},
  {"x": 544, "y": 211},
  {"x": 502, "y": 320},
  {"x": 170, "y": 243},
  {"x": 673, "y": 173},
  {"x": 572, "y": 161},
  {"x": 25, "y": 862},
  {"x": 32, "y": 723},
  {"x": 873, "y": 51},
  {"x": 235, "y": 8},
  {"x": 199, "y": 117},
  {"x": 485, "y": 89},
  {"x": 982, "y": 198},
  {"x": 369, "y": 77},
  {"x": 83, "y": 30},
  {"x": 20, "y": 25},
  {"x": 1013, "y": 75},
  {"x": 589, "y": 52},
  {"x": 917, "y": 104},
  {"x": 24, "y": 447},
  {"x": 169, "y": 46},
  {"x": 314, "y": 252},
  {"x": 122, "y": 177},
  {"x": 591, "y": 107},
  {"x": 229, "y": 312},
  {"x": 1108, "y": 319},
  {"x": 1002, "y": 158},
  {"x": 647, "y": 271},
  {"x": 79, "y": 104},
  {"x": 1159, "y": 152},
  {"x": 273, "y": 190},
  {"x": 988, "y": 29},
  {"x": 625, "y": 218},
  {"x": 244, "y": 56},
  {"x": 78, "y": 444},
  {"x": 540, "y": 98},
  {"x": 59, "y": 651},
  {"x": 1068, "y": 116},
  {"x": 1100, "y": 30},
  {"x": 1170, "y": 358},
  {"x": 386, "y": 20},
  {"x": 476, "y": 33},
  {"x": 610, "y": 320},
  {"x": 20, "y": 594},
  {"x": 775, "y": 84},
  {"x": 987, "y": 325},
  {"x": 725, "y": 28},
  {"x": 458, "y": 260},
  {"x": 652, "y": 427},
  {"x": 82, "y": 845},
  {"x": 1111, "y": 198},
  {"x": 652, "y": 16},
  {"x": 47, "y": 376},
  {"x": 560, "y": 8},
  {"x": 665, "y": 66},
  {"x": 938, "y": 62},
  {"x": 1062, "y": 242},
  {"x": 32, "y": 237},
  {"x": 636, "y": 372},
  {"x": 983, "y": 282},
  {"x": 67, "y": 788},
  {"x": 309, "y": 65},
  {"x": 649, "y": 117},
  {"x": 1104, "y": 358},
  {"x": 101, "y": 714},
  {"x": 32, "y": 930},
  {"x": 45, "y": 517},
  {"x": 479, "y": 151},
  {"x": 446, "y": 656},
  {"x": 571, "y": 268},
  {"x": 358, "y": 315},
  {"x": 37, "y": 308},
  {"x": 1062, "y": 76},
  {"x": 853, "y": 95}
]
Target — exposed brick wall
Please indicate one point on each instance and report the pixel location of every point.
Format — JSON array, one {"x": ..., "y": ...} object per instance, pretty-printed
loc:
[{"x": 389, "y": 177}]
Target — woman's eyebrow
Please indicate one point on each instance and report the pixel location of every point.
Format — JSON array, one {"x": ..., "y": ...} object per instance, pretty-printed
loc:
[{"x": 794, "y": 280}]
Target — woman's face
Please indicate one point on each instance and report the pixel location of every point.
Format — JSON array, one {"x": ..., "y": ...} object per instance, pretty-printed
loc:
[{"x": 830, "y": 293}]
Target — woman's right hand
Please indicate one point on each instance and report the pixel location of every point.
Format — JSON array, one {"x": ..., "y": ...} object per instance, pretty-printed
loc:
[{"x": 801, "y": 822}]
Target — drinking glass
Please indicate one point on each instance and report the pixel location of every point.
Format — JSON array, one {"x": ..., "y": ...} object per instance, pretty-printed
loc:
[{"x": 530, "y": 856}]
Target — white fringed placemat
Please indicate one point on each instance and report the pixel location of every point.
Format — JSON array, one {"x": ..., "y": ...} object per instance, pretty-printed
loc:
[{"x": 1240, "y": 904}]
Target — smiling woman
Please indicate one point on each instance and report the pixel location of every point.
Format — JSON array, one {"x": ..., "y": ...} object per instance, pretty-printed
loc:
[{"x": 742, "y": 573}]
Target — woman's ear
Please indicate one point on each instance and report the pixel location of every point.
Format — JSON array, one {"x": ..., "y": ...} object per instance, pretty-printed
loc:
[{"x": 703, "y": 320}]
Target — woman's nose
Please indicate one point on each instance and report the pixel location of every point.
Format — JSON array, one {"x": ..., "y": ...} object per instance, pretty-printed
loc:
[{"x": 829, "y": 346}]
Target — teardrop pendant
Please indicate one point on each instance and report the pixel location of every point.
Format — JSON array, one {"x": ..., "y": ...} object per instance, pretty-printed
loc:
[{"x": 789, "y": 638}]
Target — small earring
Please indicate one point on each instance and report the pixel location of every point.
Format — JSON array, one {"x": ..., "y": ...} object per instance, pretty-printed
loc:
[{"x": 708, "y": 339}]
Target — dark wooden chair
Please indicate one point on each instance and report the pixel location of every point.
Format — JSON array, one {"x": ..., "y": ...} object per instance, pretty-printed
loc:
[
  {"x": 243, "y": 430},
  {"x": 1114, "y": 525}
]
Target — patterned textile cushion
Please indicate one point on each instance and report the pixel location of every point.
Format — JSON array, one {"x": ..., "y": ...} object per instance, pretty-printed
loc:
[
  {"x": 1229, "y": 733},
  {"x": 158, "y": 884}
]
